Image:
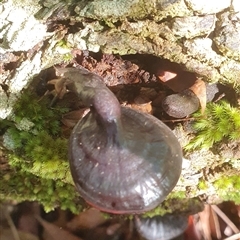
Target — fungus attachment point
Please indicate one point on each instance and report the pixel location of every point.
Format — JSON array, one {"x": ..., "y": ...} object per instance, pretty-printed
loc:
[{"x": 121, "y": 160}]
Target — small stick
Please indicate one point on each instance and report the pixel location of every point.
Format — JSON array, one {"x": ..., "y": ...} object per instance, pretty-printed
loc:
[{"x": 179, "y": 120}]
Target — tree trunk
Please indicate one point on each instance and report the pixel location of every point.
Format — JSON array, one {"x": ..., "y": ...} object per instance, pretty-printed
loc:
[{"x": 202, "y": 36}]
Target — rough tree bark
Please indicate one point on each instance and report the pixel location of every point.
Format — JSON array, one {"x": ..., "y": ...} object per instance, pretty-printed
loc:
[{"x": 202, "y": 36}]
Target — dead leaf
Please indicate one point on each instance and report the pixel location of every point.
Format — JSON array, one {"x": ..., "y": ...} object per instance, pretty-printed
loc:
[
  {"x": 70, "y": 119},
  {"x": 88, "y": 219},
  {"x": 165, "y": 76},
  {"x": 142, "y": 104},
  {"x": 157, "y": 102},
  {"x": 53, "y": 232},
  {"x": 7, "y": 234},
  {"x": 176, "y": 80},
  {"x": 150, "y": 93},
  {"x": 113, "y": 228},
  {"x": 199, "y": 88}
]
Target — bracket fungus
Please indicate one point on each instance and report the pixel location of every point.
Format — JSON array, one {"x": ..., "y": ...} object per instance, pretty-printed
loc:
[{"x": 121, "y": 160}]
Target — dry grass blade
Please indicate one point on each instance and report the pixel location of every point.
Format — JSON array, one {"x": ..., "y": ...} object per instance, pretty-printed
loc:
[
  {"x": 204, "y": 219},
  {"x": 216, "y": 224},
  {"x": 11, "y": 225},
  {"x": 130, "y": 230},
  {"x": 233, "y": 237},
  {"x": 225, "y": 218}
]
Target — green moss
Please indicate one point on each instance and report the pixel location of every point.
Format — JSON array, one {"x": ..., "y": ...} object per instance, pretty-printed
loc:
[
  {"x": 175, "y": 202},
  {"x": 179, "y": 195},
  {"x": 39, "y": 168},
  {"x": 228, "y": 188},
  {"x": 45, "y": 157},
  {"x": 202, "y": 185},
  {"x": 20, "y": 186},
  {"x": 172, "y": 203},
  {"x": 68, "y": 57},
  {"x": 65, "y": 50},
  {"x": 220, "y": 121},
  {"x": 39, "y": 112},
  {"x": 180, "y": 205}
]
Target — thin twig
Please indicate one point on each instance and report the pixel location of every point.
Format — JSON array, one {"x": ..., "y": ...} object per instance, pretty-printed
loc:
[
  {"x": 224, "y": 217},
  {"x": 179, "y": 120}
]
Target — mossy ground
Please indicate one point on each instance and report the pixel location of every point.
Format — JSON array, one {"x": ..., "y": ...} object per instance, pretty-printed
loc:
[
  {"x": 228, "y": 188},
  {"x": 216, "y": 130},
  {"x": 39, "y": 169},
  {"x": 220, "y": 121}
]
